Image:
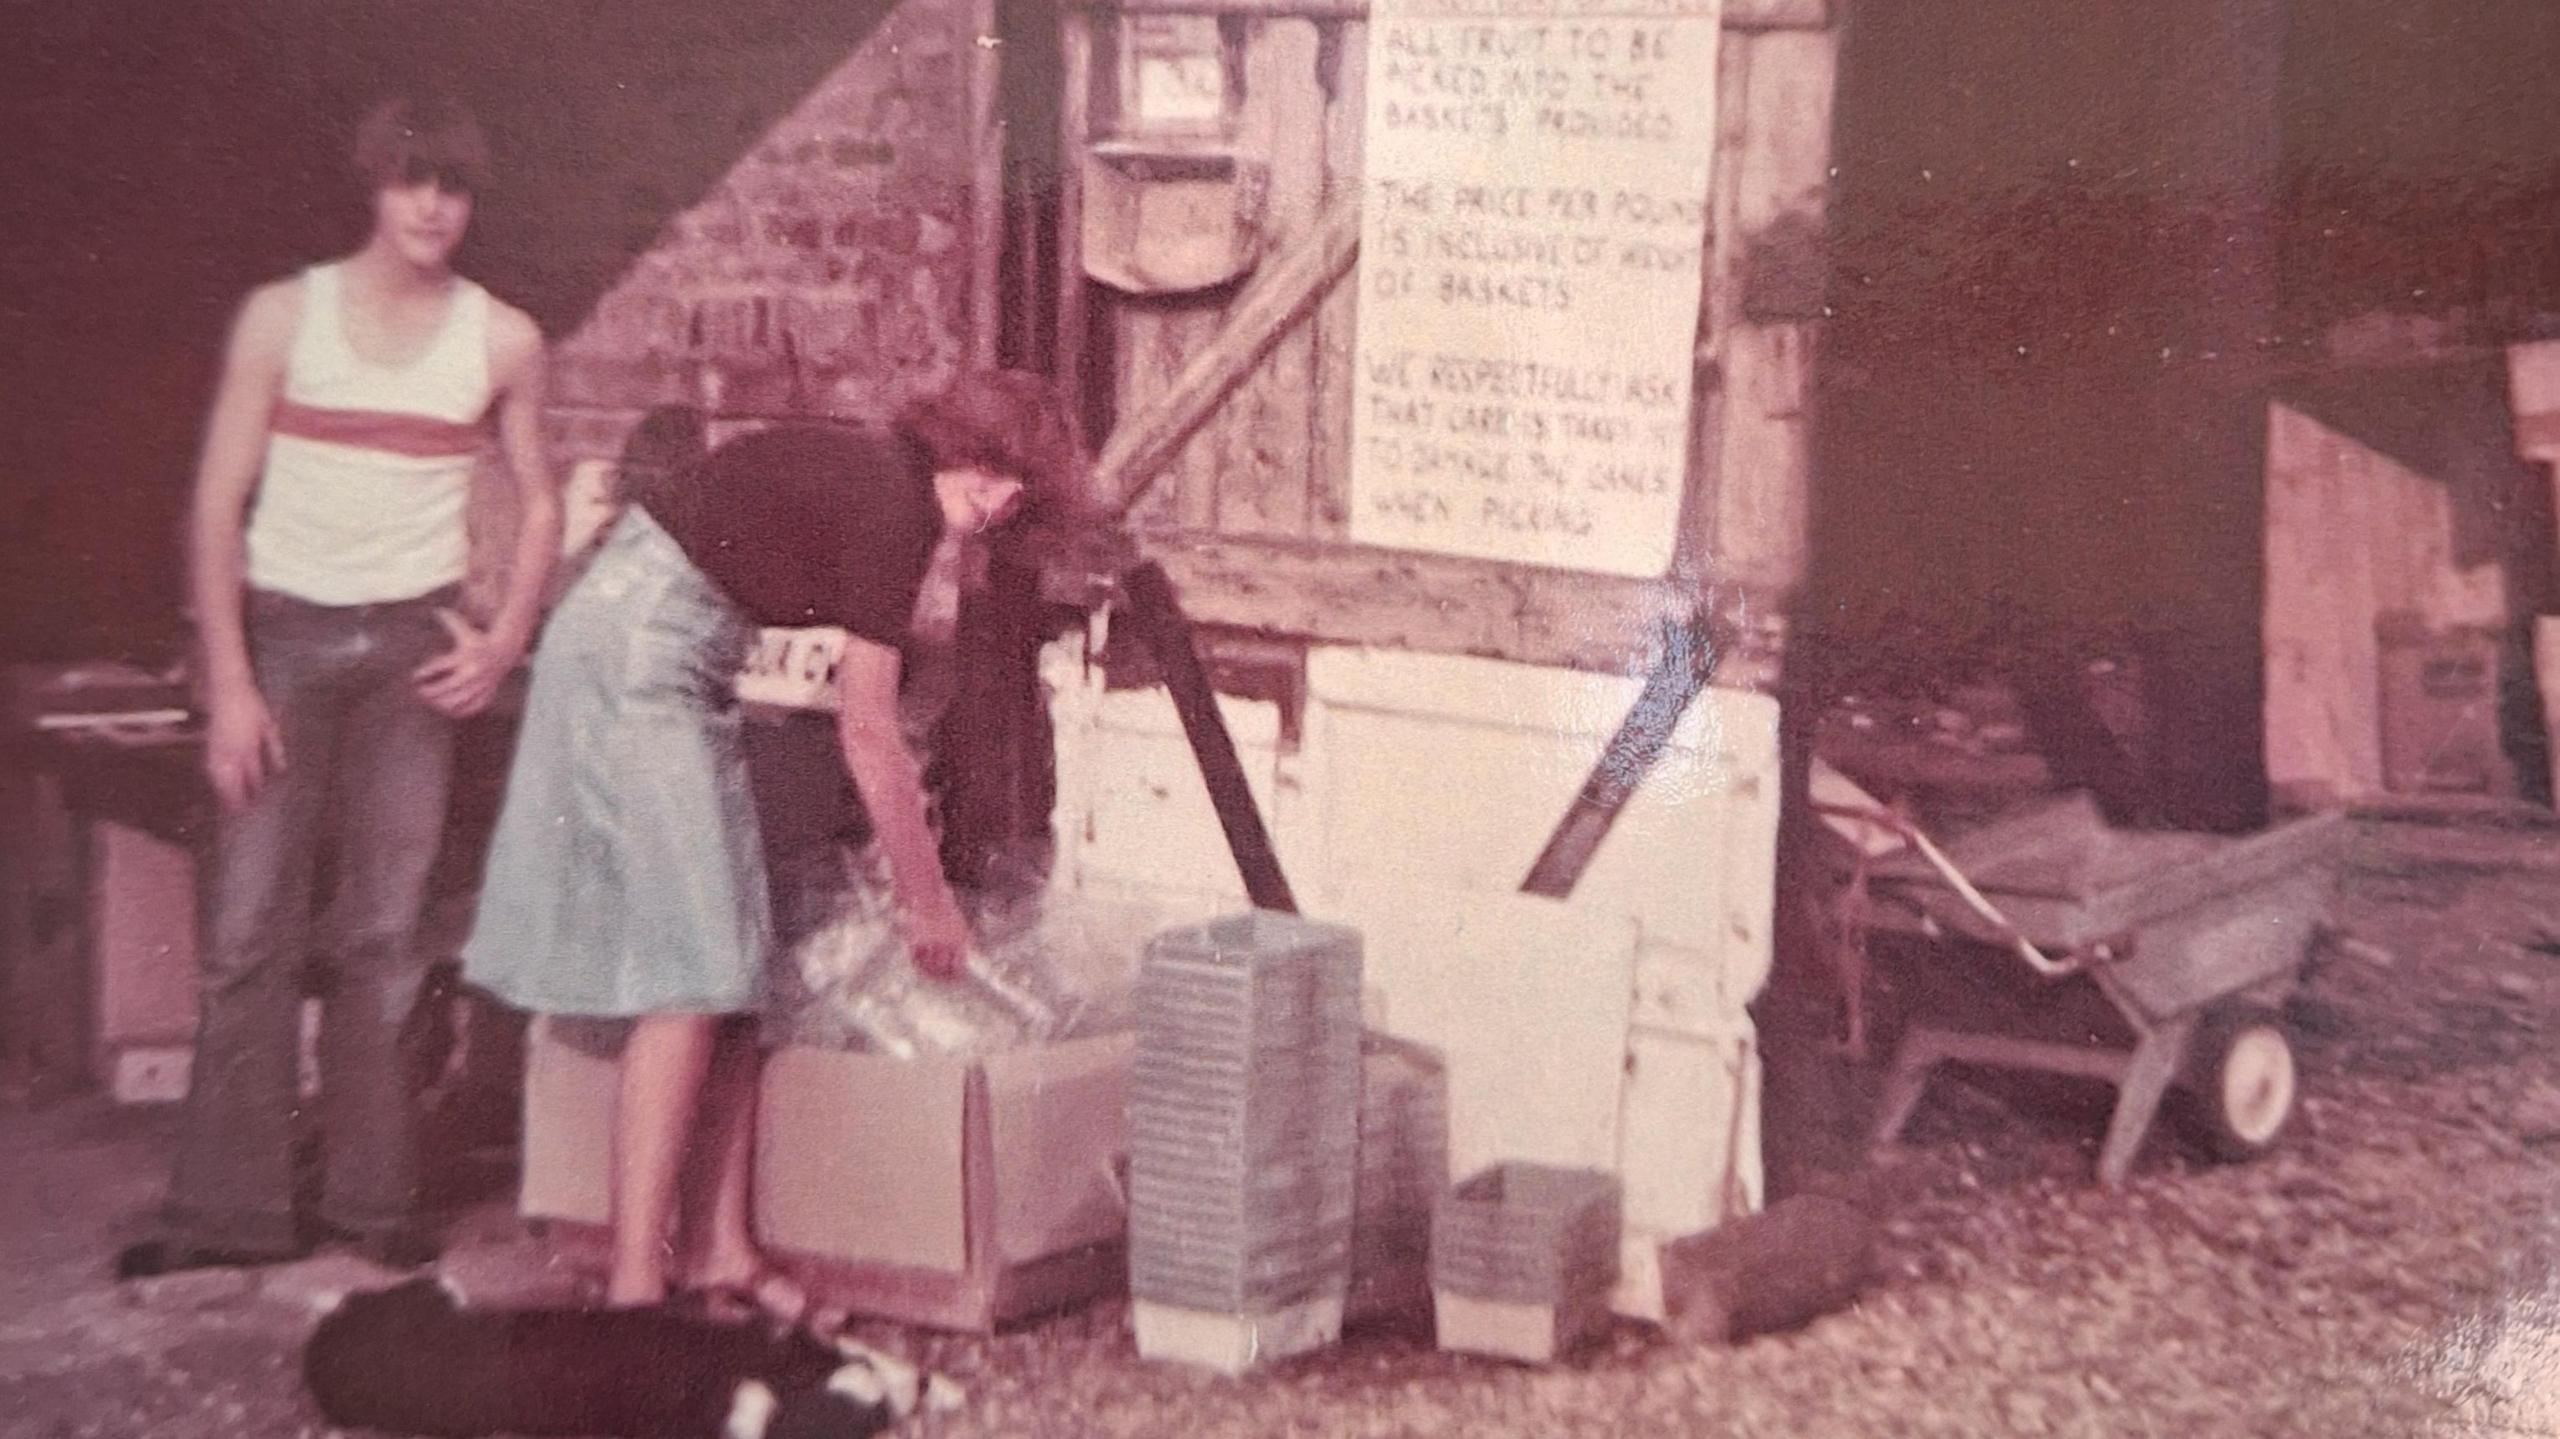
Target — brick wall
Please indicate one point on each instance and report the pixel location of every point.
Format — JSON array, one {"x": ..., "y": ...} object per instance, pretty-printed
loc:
[{"x": 827, "y": 268}]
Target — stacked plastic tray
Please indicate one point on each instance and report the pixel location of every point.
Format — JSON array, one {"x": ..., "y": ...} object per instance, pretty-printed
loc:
[
  {"x": 1523, "y": 1257},
  {"x": 1244, "y": 1108},
  {"x": 1404, "y": 1167}
]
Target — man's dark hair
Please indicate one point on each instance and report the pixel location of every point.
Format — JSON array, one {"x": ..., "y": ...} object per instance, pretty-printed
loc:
[{"x": 410, "y": 138}]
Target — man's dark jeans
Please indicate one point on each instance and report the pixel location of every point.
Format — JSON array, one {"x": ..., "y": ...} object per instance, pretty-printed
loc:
[{"x": 364, "y": 780}]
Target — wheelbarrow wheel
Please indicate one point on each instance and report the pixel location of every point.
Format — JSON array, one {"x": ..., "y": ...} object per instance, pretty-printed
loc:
[{"x": 2241, "y": 1083}]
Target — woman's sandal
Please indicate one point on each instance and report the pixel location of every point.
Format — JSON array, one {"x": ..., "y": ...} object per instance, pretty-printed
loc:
[{"x": 769, "y": 1296}]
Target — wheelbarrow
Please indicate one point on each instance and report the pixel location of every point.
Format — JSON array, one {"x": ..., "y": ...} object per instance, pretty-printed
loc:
[{"x": 2191, "y": 940}]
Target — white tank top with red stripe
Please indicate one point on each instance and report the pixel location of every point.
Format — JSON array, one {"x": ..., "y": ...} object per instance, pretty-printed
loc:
[{"x": 369, "y": 466}]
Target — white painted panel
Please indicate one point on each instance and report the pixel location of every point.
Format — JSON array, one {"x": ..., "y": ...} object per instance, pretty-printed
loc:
[
  {"x": 1526, "y": 999},
  {"x": 1455, "y": 770},
  {"x": 1151, "y": 819},
  {"x": 1133, "y": 812},
  {"x": 1684, "y": 990},
  {"x": 1691, "y": 1158}
]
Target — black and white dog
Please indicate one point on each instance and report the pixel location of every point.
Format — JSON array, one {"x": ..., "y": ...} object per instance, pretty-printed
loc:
[{"x": 413, "y": 1360}]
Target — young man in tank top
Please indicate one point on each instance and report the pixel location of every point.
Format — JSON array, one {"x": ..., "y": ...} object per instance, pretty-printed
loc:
[{"x": 328, "y": 548}]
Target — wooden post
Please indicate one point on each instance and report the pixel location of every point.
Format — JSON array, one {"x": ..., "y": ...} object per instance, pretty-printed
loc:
[
  {"x": 1337, "y": 322},
  {"x": 1262, "y": 487},
  {"x": 986, "y": 180},
  {"x": 1075, "y": 135}
]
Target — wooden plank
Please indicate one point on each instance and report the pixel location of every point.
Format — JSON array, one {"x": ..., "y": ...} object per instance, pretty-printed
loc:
[
  {"x": 1717, "y": 306},
  {"x": 1764, "y": 464},
  {"x": 1734, "y": 55},
  {"x": 1777, "y": 14},
  {"x": 1262, "y": 480},
  {"x": 1268, "y": 9},
  {"x": 1738, "y": 14},
  {"x": 1782, "y": 188},
  {"x": 1336, "y": 593},
  {"x": 1155, "y": 338},
  {"x": 1281, "y": 294},
  {"x": 1748, "y": 510},
  {"x": 2323, "y": 707},
  {"x": 1338, "y": 319}
]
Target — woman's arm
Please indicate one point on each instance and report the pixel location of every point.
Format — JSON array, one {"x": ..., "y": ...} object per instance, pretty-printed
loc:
[{"x": 892, "y": 789}]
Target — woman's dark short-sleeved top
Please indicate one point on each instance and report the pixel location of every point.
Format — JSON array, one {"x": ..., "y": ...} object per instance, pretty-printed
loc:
[{"x": 807, "y": 524}]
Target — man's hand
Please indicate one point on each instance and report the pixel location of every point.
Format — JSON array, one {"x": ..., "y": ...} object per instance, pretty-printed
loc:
[
  {"x": 460, "y": 682},
  {"x": 938, "y": 937},
  {"x": 242, "y": 746}
]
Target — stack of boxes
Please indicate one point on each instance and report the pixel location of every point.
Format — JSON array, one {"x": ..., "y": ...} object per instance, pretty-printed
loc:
[
  {"x": 1523, "y": 1257},
  {"x": 1244, "y": 1137}
]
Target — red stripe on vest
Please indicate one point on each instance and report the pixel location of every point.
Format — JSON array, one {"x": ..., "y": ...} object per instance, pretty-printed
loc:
[{"x": 413, "y": 435}]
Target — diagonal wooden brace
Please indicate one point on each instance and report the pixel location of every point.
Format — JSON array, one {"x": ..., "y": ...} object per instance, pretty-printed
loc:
[
  {"x": 1160, "y": 623},
  {"x": 1280, "y": 295},
  {"x": 1691, "y": 650}
]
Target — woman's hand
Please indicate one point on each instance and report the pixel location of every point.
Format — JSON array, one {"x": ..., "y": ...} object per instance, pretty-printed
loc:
[
  {"x": 892, "y": 790},
  {"x": 938, "y": 936}
]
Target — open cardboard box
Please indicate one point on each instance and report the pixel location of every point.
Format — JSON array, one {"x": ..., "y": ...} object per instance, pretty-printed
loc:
[{"x": 947, "y": 1193}]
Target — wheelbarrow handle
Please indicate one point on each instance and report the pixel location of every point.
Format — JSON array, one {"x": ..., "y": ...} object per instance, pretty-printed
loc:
[{"x": 1973, "y": 898}]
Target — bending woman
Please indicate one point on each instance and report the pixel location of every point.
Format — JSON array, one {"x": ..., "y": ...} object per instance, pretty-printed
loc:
[{"x": 626, "y": 878}]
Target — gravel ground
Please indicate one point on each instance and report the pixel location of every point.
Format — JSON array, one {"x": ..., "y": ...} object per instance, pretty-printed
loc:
[{"x": 2389, "y": 1271}]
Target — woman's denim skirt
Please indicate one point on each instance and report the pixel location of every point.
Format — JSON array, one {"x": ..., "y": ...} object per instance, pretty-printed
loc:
[{"x": 626, "y": 876}]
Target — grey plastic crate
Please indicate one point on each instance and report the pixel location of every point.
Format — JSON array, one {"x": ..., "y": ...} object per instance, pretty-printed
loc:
[
  {"x": 1244, "y": 1115},
  {"x": 1527, "y": 1233}
]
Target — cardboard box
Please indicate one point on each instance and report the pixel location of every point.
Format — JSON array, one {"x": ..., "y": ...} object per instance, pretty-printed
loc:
[{"x": 957, "y": 1195}]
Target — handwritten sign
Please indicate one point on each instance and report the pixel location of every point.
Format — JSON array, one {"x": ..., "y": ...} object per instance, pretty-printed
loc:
[{"x": 1532, "y": 236}]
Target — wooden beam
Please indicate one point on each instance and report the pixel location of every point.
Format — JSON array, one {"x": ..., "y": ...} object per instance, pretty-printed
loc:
[
  {"x": 1262, "y": 484},
  {"x": 1760, "y": 509},
  {"x": 1738, "y": 14},
  {"x": 1258, "y": 9},
  {"x": 1279, "y": 296},
  {"x": 1782, "y": 179},
  {"x": 1327, "y": 592},
  {"x": 1337, "y": 323},
  {"x": 1777, "y": 14}
]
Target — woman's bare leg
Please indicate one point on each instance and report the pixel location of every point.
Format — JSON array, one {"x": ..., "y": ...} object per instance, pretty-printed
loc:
[
  {"x": 664, "y": 1064},
  {"x": 720, "y": 1218}
]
